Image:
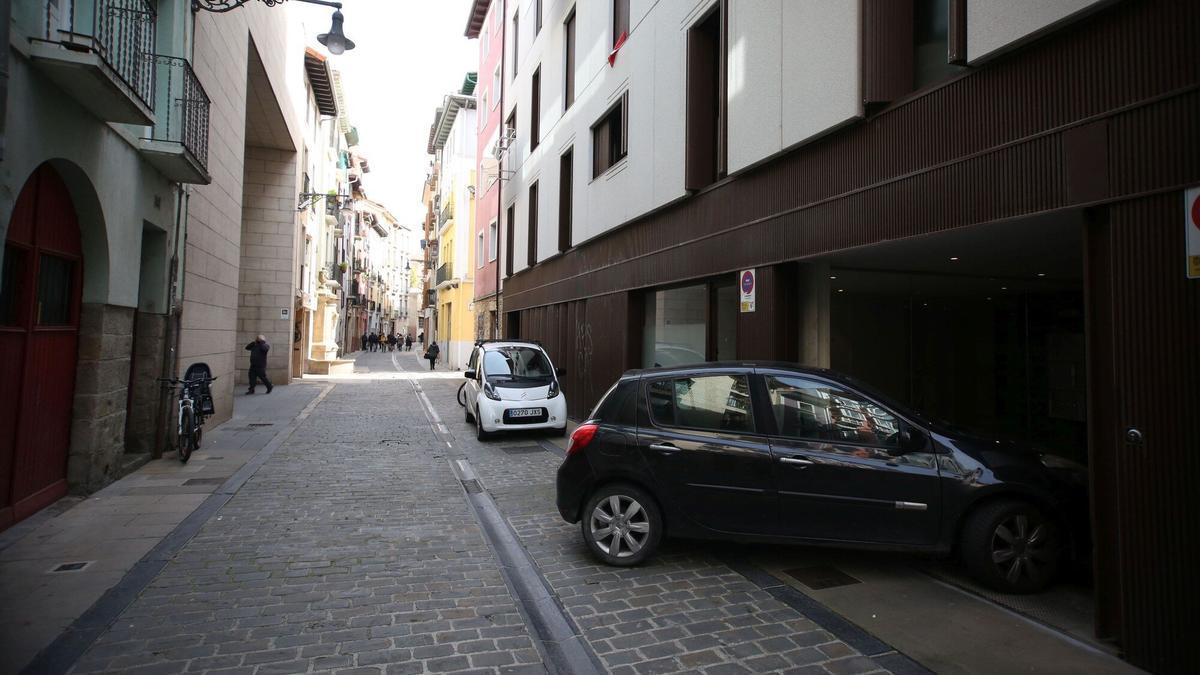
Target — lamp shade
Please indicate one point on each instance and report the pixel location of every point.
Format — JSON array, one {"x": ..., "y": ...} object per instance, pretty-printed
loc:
[{"x": 335, "y": 40}]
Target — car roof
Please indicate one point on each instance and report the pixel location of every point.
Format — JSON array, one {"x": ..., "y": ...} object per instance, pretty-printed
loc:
[
  {"x": 496, "y": 344},
  {"x": 715, "y": 366}
]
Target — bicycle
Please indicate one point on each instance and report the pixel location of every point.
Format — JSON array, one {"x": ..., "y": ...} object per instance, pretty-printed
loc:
[{"x": 194, "y": 406}]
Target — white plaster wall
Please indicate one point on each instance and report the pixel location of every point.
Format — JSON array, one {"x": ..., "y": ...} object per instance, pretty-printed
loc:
[
  {"x": 821, "y": 65},
  {"x": 994, "y": 25},
  {"x": 755, "y": 79}
]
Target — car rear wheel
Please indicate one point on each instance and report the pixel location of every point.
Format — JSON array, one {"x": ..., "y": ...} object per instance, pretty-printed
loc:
[
  {"x": 1012, "y": 547},
  {"x": 621, "y": 524}
]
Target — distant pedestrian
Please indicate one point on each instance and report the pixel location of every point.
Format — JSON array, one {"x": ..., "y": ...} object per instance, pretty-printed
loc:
[
  {"x": 363, "y": 344},
  {"x": 432, "y": 353},
  {"x": 408, "y": 343},
  {"x": 374, "y": 341},
  {"x": 392, "y": 342},
  {"x": 258, "y": 363}
]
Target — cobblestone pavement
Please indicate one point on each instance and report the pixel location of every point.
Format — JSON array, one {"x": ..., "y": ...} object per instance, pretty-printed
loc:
[
  {"x": 352, "y": 549},
  {"x": 681, "y": 611}
]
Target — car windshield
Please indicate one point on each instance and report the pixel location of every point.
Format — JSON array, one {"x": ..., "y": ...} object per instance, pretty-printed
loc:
[{"x": 517, "y": 363}]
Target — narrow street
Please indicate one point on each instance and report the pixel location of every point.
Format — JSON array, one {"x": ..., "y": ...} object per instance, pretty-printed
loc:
[{"x": 354, "y": 548}]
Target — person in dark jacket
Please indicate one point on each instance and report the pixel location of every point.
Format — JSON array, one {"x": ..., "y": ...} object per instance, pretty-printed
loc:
[
  {"x": 408, "y": 343},
  {"x": 432, "y": 353},
  {"x": 363, "y": 344},
  {"x": 258, "y": 363}
]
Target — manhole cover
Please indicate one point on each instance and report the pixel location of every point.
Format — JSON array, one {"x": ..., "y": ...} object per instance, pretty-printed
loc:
[
  {"x": 472, "y": 486},
  {"x": 70, "y": 566},
  {"x": 204, "y": 481},
  {"x": 821, "y": 576},
  {"x": 522, "y": 449}
]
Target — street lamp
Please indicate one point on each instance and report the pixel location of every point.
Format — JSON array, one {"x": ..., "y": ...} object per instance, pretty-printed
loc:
[{"x": 335, "y": 40}]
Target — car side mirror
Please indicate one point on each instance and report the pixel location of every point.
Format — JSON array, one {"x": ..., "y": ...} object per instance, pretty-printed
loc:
[
  {"x": 560, "y": 371},
  {"x": 470, "y": 374}
]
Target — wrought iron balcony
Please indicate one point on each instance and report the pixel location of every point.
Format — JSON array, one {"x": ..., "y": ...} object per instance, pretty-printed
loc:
[
  {"x": 178, "y": 143},
  {"x": 101, "y": 52},
  {"x": 444, "y": 273}
]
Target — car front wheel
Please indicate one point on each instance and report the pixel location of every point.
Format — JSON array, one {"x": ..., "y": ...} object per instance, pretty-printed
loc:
[
  {"x": 621, "y": 524},
  {"x": 480, "y": 434},
  {"x": 1012, "y": 547}
]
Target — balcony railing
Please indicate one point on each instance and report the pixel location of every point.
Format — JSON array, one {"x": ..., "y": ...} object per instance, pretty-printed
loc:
[
  {"x": 182, "y": 118},
  {"x": 121, "y": 32},
  {"x": 445, "y": 273}
]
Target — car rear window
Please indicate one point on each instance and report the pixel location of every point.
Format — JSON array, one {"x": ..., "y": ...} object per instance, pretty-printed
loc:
[{"x": 618, "y": 406}]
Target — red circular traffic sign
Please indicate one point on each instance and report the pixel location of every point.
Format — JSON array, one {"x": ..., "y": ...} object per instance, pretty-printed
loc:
[
  {"x": 1196, "y": 212},
  {"x": 747, "y": 281}
]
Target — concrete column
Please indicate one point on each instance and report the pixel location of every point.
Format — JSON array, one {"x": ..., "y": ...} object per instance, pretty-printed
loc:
[
  {"x": 101, "y": 395},
  {"x": 814, "y": 314}
]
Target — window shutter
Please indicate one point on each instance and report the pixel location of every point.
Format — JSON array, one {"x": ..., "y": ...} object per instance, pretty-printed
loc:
[
  {"x": 887, "y": 50},
  {"x": 600, "y": 147}
]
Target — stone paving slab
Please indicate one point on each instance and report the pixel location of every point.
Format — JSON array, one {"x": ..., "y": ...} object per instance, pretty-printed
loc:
[
  {"x": 682, "y": 611},
  {"x": 342, "y": 553}
]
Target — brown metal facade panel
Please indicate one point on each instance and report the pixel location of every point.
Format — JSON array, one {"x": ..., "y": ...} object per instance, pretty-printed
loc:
[
  {"x": 987, "y": 144},
  {"x": 1155, "y": 314},
  {"x": 887, "y": 49}
]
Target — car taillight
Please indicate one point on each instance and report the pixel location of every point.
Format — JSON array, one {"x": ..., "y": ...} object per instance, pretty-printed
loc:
[{"x": 581, "y": 437}]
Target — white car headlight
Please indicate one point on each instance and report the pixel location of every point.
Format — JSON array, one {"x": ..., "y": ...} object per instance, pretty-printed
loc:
[{"x": 490, "y": 391}]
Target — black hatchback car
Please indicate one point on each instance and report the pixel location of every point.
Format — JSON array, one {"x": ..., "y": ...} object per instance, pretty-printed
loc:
[{"x": 778, "y": 453}]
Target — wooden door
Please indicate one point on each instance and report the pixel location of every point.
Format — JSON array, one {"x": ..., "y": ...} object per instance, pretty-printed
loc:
[{"x": 39, "y": 333}]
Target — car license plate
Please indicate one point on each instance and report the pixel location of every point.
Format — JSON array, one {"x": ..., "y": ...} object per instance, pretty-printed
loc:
[{"x": 524, "y": 412}]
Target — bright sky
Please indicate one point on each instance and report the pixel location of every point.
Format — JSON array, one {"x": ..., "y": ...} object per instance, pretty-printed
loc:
[{"x": 409, "y": 54}]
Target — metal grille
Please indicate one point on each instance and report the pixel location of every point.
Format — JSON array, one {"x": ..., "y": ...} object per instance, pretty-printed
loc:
[
  {"x": 183, "y": 113},
  {"x": 121, "y": 32}
]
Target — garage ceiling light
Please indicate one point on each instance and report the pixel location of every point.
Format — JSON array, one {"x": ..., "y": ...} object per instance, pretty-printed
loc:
[{"x": 953, "y": 258}]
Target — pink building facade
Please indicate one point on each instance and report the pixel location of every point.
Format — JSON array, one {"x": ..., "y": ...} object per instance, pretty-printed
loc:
[{"x": 486, "y": 25}]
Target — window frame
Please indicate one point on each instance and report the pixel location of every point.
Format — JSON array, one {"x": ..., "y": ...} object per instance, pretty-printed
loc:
[
  {"x": 531, "y": 225},
  {"x": 537, "y": 17},
  {"x": 569, "y": 49},
  {"x": 622, "y": 105},
  {"x": 535, "y": 105},
  {"x": 620, "y": 10},
  {"x": 566, "y": 206},
  {"x": 749, "y": 376},
  {"x": 493, "y": 243},
  {"x": 774, "y": 431},
  {"x": 516, "y": 52}
]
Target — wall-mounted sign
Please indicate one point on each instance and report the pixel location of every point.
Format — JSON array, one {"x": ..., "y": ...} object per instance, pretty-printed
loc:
[
  {"x": 1191, "y": 208},
  {"x": 746, "y": 285},
  {"x": 285, "y": 313}
]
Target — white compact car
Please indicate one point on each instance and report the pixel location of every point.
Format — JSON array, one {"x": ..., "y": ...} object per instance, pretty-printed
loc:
[{"x": 513, "y": 386}]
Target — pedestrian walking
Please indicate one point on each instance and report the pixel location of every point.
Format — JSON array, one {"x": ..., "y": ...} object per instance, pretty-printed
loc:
[
  {"x": 374, "y": 341},
  {"x": 408, "y": 343},
  {"x": 258, "y": 363},
  {"x": 392, "y": 342},
  {"x": 363, "y": 344},
  {"x": 432, "y": 353}
]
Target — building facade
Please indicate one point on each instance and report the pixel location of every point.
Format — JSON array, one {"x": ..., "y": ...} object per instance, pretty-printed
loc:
[
  {"x": 485, "y": 23},
  {"x": 975, "y": 209},
  {"x": 452, "y": 142}
]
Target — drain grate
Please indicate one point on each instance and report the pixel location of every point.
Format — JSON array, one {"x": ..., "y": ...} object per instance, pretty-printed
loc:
[
  {"x": 71, "y": 566},
  {"x": 522, "y": 449},
  {"x": 204, "y": 481},
  {"x": 472, "y": 486},
  {"x": 260, "y": 424},
  {"x": 393, "y": 441},
  {"x": 820, "y": 577}
]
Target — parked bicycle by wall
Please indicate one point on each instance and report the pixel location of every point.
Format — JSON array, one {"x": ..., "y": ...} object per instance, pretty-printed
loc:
[{"x": 195, "y": 404}]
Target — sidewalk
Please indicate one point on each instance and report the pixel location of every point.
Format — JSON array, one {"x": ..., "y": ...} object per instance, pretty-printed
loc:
[{"x": 110, "y": 531}]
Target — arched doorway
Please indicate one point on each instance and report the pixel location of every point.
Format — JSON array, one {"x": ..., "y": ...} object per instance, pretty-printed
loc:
[{"x": 39, "y": 335}]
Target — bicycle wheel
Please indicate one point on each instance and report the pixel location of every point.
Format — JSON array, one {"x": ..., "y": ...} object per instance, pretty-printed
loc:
[
  {"x": 187, "y": 435},
  {"x": 462, "y": 394}
]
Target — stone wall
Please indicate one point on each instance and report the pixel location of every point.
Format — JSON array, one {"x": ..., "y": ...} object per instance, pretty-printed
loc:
[
  {"x": 101, "y": 396},
  {"x": 266, "y": 277},
  {"x": 149, "y": 341}
]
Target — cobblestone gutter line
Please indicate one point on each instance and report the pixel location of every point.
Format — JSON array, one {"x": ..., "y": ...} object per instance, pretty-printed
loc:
[{"x": 60, "y": 655}]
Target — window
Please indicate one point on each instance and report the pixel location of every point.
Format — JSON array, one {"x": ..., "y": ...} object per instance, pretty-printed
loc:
[
  {"x": 479, "y": 250},
  {"x": 537, "y": 19},
  {"x": 531, "y": 256},
  {"x": 620, "y": 20},
  {"x": 516, "y": 37},
  {"x": 510, "y": 218},
  {"x": 817, "y": 410},
  {"x": 535, "y": 108},
  {"x": 565, "y": 173},
  {"x": 619, "y": 405},
  {"x": 510, "y": 126},
  {"x": 485, "y": 37},
  {"x": 931, "y": 34},
  {"x": 495, "y": 88},
  {"x": 569, "y": 60},
  {"x": 675, "y": 331},
  {"x": 609, "y": 143},
  {"x": 55, "y": 279},
  {"x": 706, "y": 85},
  {"x": 492, "y": 240},
  {"x": 710, "y": 403},
  {"x": 11, "y": 292}
]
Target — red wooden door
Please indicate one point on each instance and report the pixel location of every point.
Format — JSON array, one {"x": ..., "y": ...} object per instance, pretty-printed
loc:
[{"x": 39, "y": 335}]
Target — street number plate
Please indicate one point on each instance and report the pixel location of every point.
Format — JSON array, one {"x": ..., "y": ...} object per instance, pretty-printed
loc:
[{"x": 524, "y": 412}]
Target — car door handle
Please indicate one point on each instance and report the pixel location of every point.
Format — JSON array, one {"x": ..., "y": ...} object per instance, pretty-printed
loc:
[
  {"x": 664, "y": 447},
  {"x": 798, "y": 461}
]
